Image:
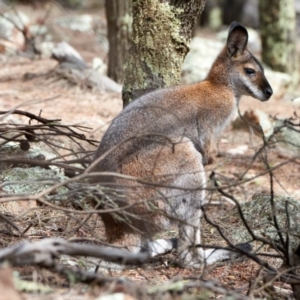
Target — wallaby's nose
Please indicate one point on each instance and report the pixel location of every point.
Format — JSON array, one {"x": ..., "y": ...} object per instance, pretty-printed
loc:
[{"x": 269, "y": 92}]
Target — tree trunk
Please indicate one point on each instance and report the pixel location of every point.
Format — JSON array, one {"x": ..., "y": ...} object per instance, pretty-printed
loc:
[
  {"x": 278, "y": 34},
  {"x": 119, "y": 23},
  {"x": 232, "y": 10},
  {"x": 161, "y": 32}
]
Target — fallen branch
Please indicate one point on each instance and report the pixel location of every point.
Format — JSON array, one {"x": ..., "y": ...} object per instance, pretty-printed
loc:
[{"x": 45, "y": 251}]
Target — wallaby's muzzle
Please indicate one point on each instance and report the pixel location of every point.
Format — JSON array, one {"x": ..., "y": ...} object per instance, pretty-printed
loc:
[{"x": 268, "y": 92}]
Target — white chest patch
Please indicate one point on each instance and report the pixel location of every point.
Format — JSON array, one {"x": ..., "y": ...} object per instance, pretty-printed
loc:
[{"x": 224, "y": 122}]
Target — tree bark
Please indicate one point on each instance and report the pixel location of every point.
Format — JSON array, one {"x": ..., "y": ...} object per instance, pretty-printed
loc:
[
  {"x": 278, "y": 34},
  {"x": 161, "y": 32},
  {"x": 119, "y": 24},
  {"x": 232, "y": 10}
]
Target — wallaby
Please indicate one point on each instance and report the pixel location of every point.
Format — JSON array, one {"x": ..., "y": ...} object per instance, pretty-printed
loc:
[{"x": 153, "y": 154}]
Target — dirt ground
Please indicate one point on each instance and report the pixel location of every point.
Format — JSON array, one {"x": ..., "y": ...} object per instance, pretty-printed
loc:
[{"x": 74, "y": 105}]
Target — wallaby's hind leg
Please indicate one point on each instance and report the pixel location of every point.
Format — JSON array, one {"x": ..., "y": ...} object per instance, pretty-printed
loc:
[
  {"x": 189, "y": 254},
  {"x": 160, "y": 246},
  {"x": 207, "y": 256},
  {"x": 182, "y": 204},
  {"x": 174, "y": 194}
]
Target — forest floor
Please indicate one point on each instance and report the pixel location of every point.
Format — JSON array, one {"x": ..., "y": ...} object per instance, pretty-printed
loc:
[{"x": 94, "y": 109}]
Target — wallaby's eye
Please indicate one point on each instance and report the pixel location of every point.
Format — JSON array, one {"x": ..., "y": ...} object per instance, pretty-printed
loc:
[{"x": 249, "y": 71}]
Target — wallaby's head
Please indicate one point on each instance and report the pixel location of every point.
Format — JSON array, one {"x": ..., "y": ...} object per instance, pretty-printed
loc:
[{"x": 245, "y": 71}]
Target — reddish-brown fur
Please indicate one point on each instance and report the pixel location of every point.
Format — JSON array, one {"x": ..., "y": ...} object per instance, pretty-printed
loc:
[{"x": 161, "y": 141}]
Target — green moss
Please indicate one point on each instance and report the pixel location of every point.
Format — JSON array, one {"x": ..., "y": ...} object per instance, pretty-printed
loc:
[
  {"x": 259, "y": 216},
  {"x": 126, "y": 23},
  {"x": 278, "y": 32},
  {"x": 158, "y": 47},
  {"x": 30, "y": 180}
]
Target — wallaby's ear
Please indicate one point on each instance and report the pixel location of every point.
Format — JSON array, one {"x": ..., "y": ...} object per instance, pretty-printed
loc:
[{"x": 237, "y": 39}]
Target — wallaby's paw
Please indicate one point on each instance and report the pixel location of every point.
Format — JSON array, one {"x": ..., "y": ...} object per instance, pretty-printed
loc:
[
  {"x": 214, "y": 255},
  {"x": 210, "y": 256},
  {"x": 160, "y": 246}
]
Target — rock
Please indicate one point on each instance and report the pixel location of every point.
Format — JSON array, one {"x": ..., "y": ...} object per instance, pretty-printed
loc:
[
  {"x": 10, "y": 23},
  {"x": 30, "y": 181},
  {"x": 20, "y": 177},
  {"x": 287, "y": 138},
  {"x": 254, "y": 42},
  {"x": 199, "y": 60},
  {"x": 296, "y": 102},
  {"x": 99, "y": 65},
  {"x": 88, "y": 78},
  {"x": 240, "y": 150},
  {"x": 11, "y": 20},
  {"x": 83, "y": 23},
  {"x": 43, "y": 40},
  {"x": 285, "y": 135},
  {"x": 279, "y": 81},
  {"x": 38, "y": 29},
  {"x": 116, "y": 296},
  {"x": 255, "y": 120},
  {"x": 45, "y": 48},
  {"x": 73, "y": 68},
  {"x": 65, "y": 53},
  {"x": 258, "y": 214},
  {"x": 96, "y": 80}
]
